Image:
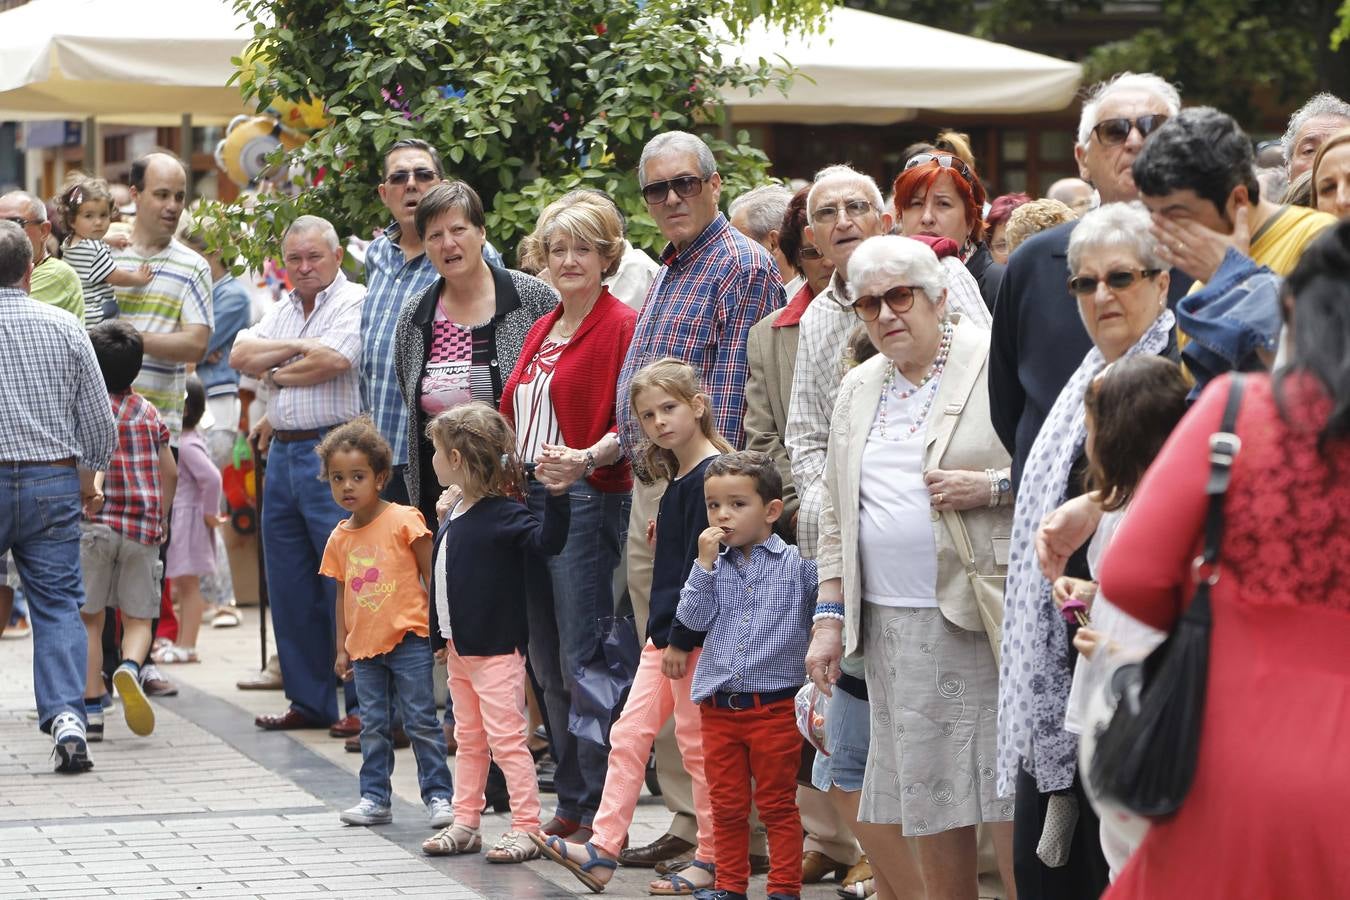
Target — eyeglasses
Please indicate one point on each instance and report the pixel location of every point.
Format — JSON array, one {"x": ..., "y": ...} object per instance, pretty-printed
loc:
[
  {"x": 811, "y": 251},
  {"x": 1086, "y": 285},
  {"x": 900, "y": 299},
  {"x": 21, "y": 221},
  {"x": 423, "y": 176},
  {"x": 685, "y": 186},
  {"x": 945, "y": 161},
  {"x": 828, "y": 215},
  {"x": 1112, "y": 132},
  {"x": 999, "y": 246}
]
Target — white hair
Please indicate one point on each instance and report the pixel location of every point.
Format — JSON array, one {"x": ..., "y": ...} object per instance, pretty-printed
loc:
[
  {"x": 36, "y": 208},
  {"x": 1318, "y": 105},
  {"x": 307, "y": 224},
  {"x": 893, "y": 256},
  {"x": 669, "y": 142},
  {"x": 1125, "y": 81},
  {"x": 764, "y": 208},
  {"x": 844, "y": 173},
  {"x": 1126, "y": 226}
]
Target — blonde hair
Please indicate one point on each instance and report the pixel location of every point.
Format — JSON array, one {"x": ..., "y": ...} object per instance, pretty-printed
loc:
[
  {"x": 486, "y": 443},
  {"x": 678, "y": 379},
  {"x": 957, "y": 144},
  {"x": 583, "y": 217},
  {"x": 1033, "y": 217},
  {"x": 1336, "y": 140}
]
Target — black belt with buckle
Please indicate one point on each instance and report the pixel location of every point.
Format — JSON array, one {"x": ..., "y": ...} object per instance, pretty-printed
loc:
[
  {"x": 740, "y": 702},
  {"x": 291, "y": 436}
]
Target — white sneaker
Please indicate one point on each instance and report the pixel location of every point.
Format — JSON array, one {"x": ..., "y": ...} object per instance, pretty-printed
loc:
[
  {"x": 71, "y": 750},
  {"x": 439, "y": 812},
  {"x": 367, "y": 812}
]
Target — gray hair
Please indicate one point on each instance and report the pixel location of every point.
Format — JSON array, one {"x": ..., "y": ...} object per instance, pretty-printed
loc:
[
  {"x": 669, "y": 142},
  {"x": 306, "y": 224},
  {"x": 842, "y": 172},
  {"x": 1125, "y": 81},
  {"x": 16, "y": 254},
  {"x": 36, "y": 208},
  {"x": 764, "y": 208},
  {"x": 1318, "y": 105},
  {"x": 893, "y": 256},
  {"x": 1127, "y": 226}
]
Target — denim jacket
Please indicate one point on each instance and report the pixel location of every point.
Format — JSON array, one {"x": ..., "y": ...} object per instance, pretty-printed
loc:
[{"x": 1229, "y": 319}]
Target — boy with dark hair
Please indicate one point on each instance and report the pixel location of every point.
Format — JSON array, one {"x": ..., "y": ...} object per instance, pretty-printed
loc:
[
  {"x": 755, "y": 599},
  {"x": 126, "y": 523}
]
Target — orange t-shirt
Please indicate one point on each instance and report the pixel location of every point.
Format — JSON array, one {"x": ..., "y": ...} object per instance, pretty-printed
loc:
[{"x": 383, "y": 595}]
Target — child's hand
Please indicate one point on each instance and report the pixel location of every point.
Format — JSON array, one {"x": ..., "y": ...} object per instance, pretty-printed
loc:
[
  {"x": 674, "y": 662},
  {"x": 709, "y": 545},
  {"x": 118, "y": 241},
  {"x": 92, "y": 504},
  {"x": 1066, "y": 587},
  {"x": 449, "y": 497},
  {"x": 143, "y": 275},
  {"x": 214, "y": 521},
  {"x": 343, "y": 666},
  {"x": 441, "y": 654},
  {"x": 1085, "y": 641},
  {"x": 651, "y": 532}
]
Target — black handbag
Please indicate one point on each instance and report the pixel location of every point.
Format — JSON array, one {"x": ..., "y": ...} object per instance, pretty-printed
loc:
[{"x": 1146, "y": 755}]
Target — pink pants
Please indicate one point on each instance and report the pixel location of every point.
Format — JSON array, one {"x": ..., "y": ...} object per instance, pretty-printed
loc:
[
  {"x": 489, "y": 698},
  {"x": 651, "y": 702}
]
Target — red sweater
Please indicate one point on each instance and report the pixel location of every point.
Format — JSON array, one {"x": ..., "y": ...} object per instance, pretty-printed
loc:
[{"x": 584, "y": 381}]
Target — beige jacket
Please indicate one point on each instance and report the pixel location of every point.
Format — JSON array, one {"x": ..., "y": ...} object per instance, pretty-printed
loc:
[
  {"x": 771, "y": 354},
  {"x": 959, "y": 436}
]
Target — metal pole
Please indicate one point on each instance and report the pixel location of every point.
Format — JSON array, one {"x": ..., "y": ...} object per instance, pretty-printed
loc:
[
  {"x": 92, "y": 164},
  {"x": 185, "y": 149}
]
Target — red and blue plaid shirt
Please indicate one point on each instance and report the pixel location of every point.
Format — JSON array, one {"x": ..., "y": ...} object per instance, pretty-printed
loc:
[
  {"x": 699, "y": 309},
  {"x": 133, "y": 499}
]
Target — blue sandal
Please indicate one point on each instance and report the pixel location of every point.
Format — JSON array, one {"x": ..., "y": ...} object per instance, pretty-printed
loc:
[
  {"x": 555, "y": 848},
  {"x": 683, "y": 887}
]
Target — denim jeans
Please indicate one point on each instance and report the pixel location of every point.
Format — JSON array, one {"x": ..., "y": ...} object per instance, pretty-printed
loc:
[
  {"x": 299, "y": 514},
  {"x": 40, "y": 525},
  {"x": 403, "y": 677},
  {"x": 568, "y": 595}
]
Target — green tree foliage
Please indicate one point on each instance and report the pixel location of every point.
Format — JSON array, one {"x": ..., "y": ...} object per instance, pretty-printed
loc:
[{"x": 525, "y": 99}]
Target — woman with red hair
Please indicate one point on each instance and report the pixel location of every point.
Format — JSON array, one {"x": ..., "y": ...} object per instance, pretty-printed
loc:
[
  {"x": 938, "y": 195},
  {"x": 1000, "y": 210}
]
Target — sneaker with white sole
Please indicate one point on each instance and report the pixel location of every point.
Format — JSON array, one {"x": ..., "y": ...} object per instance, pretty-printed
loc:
[
  {"x": 94, "y": 731},
  {"x": 439, "y": 812},
  {"x": 367, "y": 812},
  {"x": 71, "y": 749},
  {"x": 136, "y": 708}
]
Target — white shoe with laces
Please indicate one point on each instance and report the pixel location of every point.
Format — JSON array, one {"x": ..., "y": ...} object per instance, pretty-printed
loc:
[
  {"x": 71, "y": 749},
  {"x": 439, "y": 812},
  {"x": 367, "y": 812}
]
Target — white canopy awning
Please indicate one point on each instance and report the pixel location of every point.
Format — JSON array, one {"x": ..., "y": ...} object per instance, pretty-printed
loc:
[
  {"x": 136, "y": 62},
  {"x": 871, "y": 69}
]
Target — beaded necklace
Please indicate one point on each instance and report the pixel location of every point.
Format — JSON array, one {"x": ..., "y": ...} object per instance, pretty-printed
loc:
[{"x": 929, "y": 380}]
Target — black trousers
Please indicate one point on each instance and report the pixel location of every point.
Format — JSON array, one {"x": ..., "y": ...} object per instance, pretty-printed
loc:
[{"x": 1084, "y": 877}]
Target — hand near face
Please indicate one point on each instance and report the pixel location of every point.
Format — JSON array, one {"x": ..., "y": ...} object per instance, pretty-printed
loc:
[
  {"x": 709, "y": 545},
  {"x": 957, "y": 490},
  {"x": 1197, "y": 250}
]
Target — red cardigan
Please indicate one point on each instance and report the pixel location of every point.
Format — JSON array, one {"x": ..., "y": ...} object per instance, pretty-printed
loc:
[{"x": 584, "y": 381}]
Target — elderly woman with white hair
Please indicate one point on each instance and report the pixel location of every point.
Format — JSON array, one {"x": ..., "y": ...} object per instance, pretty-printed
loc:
[{"x": 916, "y": 519}]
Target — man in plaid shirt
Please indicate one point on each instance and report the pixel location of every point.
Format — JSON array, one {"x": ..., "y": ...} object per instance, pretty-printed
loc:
[{"x": 714, "y": 283}]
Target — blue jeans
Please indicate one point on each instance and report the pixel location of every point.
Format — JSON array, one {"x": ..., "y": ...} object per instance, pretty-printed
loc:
[
  {"x": 298, "y": 517},
  {"x": 402, "y": 676},
  {"x": 568, "y": 594},
  {"x": 40, "y": 524}
]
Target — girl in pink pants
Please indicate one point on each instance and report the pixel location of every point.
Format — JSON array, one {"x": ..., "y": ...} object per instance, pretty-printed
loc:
[{"x": 678, "y": 422}]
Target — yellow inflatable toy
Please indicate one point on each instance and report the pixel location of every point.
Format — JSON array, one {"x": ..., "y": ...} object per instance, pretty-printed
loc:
[{"x": 248, "y": 142}]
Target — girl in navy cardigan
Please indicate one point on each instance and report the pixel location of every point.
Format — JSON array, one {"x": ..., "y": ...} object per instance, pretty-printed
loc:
[{"x": 478, "y": 610}]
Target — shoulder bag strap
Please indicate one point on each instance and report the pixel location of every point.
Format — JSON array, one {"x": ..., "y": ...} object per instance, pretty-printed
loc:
[{"x": 1224, "y": 445}]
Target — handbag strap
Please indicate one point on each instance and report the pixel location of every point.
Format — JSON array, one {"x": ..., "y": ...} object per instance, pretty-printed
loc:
[
  {"x": 1224, "y": 445},
  {"x": 962, "y": 536}
]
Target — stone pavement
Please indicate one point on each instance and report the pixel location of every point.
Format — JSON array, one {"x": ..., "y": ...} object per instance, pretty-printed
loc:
[{"x": 209, "y": 806}]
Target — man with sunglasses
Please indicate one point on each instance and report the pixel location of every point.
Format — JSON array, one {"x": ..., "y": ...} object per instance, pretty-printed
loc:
[
  {"x": 713, "y": 284},
  {"x": 54, "y": 282}
]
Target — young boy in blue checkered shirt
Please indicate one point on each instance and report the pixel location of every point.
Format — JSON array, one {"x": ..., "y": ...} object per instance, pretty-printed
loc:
[{"x": 754, "y": 595}]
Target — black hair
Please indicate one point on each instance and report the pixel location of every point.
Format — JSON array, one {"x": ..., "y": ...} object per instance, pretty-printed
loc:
[
  {"x": 142, "y": 164},
  {"x": 445, "y": 197},
  {"x": 1321, "y": 327},
  {"x": 754, "y": 465},
  {"x": 16, "y": 253},
  {"x": 361, "y": 435},
  {"x": 194, "y": 403},
  {"x": 120, "y": 352},
  {"x": 1198, "y": 149},
  {"x": 1134, "y": 404},
  {"x": 415, "y": 144}
]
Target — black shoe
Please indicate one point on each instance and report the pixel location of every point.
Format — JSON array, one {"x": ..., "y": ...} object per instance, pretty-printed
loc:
[
  {"x": 498, "y": 802},
  {"x": 545, "y": 770}
]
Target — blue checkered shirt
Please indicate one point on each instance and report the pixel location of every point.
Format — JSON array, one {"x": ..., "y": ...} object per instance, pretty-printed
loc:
[
  {"x": 391, "y": 280},
  {"x": 699, "y": 309},
  {"x": 757, "y": 613}
]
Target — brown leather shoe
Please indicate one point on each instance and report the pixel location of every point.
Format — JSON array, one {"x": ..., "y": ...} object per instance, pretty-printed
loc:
[
  {"x": 664, "y": 848},
  {"x": 677, "y": 864},
  {"x": 816, "y": 867},
  {"x": 347, "y": 726},
  {"x": 353, "y": 743},
  {"x": 563, "y": 828},
  {"x": 858, "y": 874},
  {"x": 290, "y": 720},
  {"x": 759, "y": 865},
  {"x": 451, "y": 745}
]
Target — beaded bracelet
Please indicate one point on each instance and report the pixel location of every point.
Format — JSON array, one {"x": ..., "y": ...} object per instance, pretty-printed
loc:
[{"x": 828, "y": 610}]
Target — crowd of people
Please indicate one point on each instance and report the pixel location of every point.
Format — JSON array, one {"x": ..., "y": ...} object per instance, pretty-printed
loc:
[{"x": 877, "y": 496}]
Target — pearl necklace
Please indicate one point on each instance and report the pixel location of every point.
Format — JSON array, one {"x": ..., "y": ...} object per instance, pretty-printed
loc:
[{"x": 929, "y": 380}]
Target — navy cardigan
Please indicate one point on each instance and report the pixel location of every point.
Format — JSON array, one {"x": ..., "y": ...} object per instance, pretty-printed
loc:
[{"x": 483, "y": 562}]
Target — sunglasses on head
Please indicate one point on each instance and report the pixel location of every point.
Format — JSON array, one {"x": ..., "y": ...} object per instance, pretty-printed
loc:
[
  {"x": 685, "y": 186},
  {"x": 423, "y": 176},
  {"x": 899, "y": 298},
  {"x": 1116, "y": 131},
  {"x": 1086, "y": 285},
  {"x": 945, "y": 161}
]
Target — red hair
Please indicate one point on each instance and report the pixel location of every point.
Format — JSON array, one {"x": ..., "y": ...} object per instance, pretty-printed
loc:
[
  {"x": 924, "y": 176},
  {"x": 1000, "y": 208}
]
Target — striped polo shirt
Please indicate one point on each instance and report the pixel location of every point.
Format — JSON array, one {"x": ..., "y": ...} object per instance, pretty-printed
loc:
[{"x": 92, "y": 261}]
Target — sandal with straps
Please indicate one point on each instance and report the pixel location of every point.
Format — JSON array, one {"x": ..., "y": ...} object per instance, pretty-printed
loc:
[
  {"x": 513, "y": 847},
  {"x": 683, "y": 887},
  {"x": 453, "y": 840},
  {"x": 555, "y": 848}
]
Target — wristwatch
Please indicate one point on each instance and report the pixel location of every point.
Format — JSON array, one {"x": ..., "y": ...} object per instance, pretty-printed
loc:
[
  {"x": 270, "y": 378},
  {"x": 590, "y": 463},
  {"x": 1000, "y": 487}
]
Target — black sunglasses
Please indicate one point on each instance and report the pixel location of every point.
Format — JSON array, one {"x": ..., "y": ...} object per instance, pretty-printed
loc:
[
  {"x": 1086, "y": 285},
  {"x": 685, "y": 186},
  {"x": 900, "y": 299},
  {"x": 811, "y": 251},
  {"x": 21, "y": 221},
  {"x": 945, "y": 161},
  {"x": 423, "y": 176},
  {"x": 1116, "y": 131}
]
